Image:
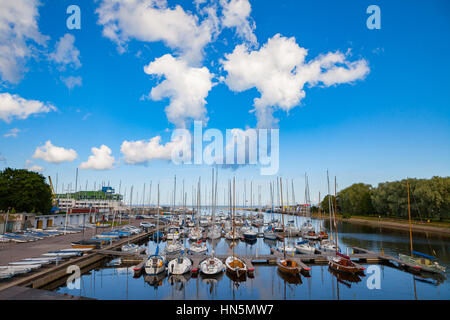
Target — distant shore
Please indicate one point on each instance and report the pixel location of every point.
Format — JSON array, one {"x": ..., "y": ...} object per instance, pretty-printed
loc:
[{"x": 431, "y": 227}]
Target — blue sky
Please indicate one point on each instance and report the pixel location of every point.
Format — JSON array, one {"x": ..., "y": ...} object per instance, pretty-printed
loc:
[{"x": 392, "y": 123}]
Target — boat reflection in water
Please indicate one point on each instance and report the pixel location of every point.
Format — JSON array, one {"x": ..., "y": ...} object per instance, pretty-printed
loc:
[
  {"x": 270, "y": 243},
  {"x": 346, "y": 278},
  {"x": 432, "y": 279},
  {"x": 233, "y": 276},
  {"x": 155, "y": 280},
  {"x": 290, "y": 278},
  {"x": 211, "y": 281},
  {"x": 179, "y": 280}
]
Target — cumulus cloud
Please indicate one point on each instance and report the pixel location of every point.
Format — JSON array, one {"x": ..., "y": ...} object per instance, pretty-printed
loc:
[
  {"x": 279, "y": 72},
  {"x": 236, "y": 14},
  {"x": 144, "y": 151},
  {"x": 185, "y": 86},
  {"x": 19, "y": 33},
  {"x": 153, "y": 20},
  {"x": 71, "y": 81},
  {"x": 12, "y": 133},
  {"x": 53, "y": 154},
  {"x": 36, "y": 168},
  {"x": 66, "y": 54},
  {"x": 14, "y": 106},
  {"x": 101, "y": 159}
]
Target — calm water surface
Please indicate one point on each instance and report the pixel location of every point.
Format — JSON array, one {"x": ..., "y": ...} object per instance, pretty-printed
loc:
[{"x": 117, "y": 282}]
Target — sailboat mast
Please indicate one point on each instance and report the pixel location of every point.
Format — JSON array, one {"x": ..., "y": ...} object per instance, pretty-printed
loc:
[
  {"x": 329, "y": 205},
  {"x": 409, "y": 214},
  {"x": 234, "y": 225},
  {"x": 282, "y": 218},
  {"x": 335, "y": 209},
  {"x": 157, "y": 219}
]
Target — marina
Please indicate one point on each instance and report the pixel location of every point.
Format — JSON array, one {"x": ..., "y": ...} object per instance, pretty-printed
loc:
[{"x": 258, "y": 257}]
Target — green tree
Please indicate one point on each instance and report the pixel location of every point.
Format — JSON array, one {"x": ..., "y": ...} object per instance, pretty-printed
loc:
[
  {"x": 324, "y": 204},
  {"x": 356, "y": 200},
  {"x": 24, "y": 191}
]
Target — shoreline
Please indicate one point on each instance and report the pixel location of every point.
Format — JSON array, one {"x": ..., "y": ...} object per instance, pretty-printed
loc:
[{"x": 442, "y": 231}]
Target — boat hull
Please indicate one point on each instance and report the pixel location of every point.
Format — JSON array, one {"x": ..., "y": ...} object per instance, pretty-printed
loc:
[
  {"x": 288, "y": 266},
  {"x": 236, "y": 266},
  {"x": 340, "y": 265}
]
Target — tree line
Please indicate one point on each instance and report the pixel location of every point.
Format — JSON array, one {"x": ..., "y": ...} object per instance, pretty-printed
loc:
[
  {"x": 24, "y": 191},
  {"x": 429, "y": 199}
]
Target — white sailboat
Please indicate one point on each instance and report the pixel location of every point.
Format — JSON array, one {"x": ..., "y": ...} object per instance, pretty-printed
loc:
[
  {"x": 180, "y": 265},
  {"x": 156, "y": 263},
  {"x": 235, "y": 265}
]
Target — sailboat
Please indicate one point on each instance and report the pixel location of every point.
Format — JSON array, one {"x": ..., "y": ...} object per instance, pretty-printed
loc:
[
  {"x": 286, "y": 265},
  {"x": 156, "y": 263},
  {"x": 198, "y": 247},
  {"x": 322, "y": 233},
  {"x": 328, "y": 245},
  {"x": 304, "y": 247},
  {"x": 340, "y": 262},
  {"x": 270, "y": 234},
  {"x": 196, "y": 233},
  {"x": 423, "y": 261},
  {"x": 234, "y": 264},
  {"x": 180, "y": 265},
  {"x": 214, "y": 231},
  {"x": 285, "y": 248},
  {"x": 211, "y": 265}
]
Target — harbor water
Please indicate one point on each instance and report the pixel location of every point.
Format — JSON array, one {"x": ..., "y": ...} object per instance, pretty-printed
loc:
[{"x": 113, "y": 280}]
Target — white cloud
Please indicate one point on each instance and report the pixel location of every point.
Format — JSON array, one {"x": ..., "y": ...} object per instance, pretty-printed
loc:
[
  {"x": 279, "y": 72},
  {"x": 236, "y": 14},
  {"x": 12, "y": 133},
  {"x": 66, "y": 54},
  {"x": 36, "y": 168},
  {"x": 71, "y": 82},
  {"x": 142, "y": 151},
  {"x": 153, "y": 20},
  {"x": 101, "y": 159},
  {"x": 53, "y": 154},
  {"x": 185, "y": 86},
  {"x": 18, "y": 26},
  {"x": 14, "y": 106}
]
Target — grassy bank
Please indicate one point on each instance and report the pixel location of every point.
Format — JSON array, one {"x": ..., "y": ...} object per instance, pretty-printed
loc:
[{"x": 438, "y": 227}]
